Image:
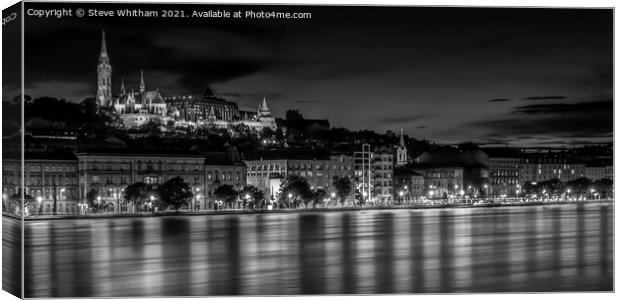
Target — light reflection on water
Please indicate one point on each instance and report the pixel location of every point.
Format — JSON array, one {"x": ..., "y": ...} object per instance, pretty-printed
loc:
[{"x": 504, "y": 249}]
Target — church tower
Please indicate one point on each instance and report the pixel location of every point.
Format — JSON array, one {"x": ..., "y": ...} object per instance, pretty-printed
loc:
[
  {"x": 401, "y": 151},
  {"x": 104, "y": 76},
  {"x": 263, "y": 109},
  {"x": 123, "y": 86},
  {"x": 142, "y": 84}
]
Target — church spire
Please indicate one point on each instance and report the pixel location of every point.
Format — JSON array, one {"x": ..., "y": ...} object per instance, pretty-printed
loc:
[
  {"x": 104, "y": 49},
  {"x": 104, "y": 75},
  {"x": 263, "y": 109},
  {"x": 122, "y": 86},
  {"x": 401, "y": 151},
  {"x": 263, "y": 106},
  {"x": 142, "y": 85}
]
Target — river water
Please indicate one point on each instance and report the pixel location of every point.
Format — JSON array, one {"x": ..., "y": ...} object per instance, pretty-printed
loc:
[{"x": 501, "y": 249}]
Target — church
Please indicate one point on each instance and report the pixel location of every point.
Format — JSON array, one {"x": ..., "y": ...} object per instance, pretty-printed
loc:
[
  {"x": 140, "y": 106},
  {"x": 135, "y": 108}
]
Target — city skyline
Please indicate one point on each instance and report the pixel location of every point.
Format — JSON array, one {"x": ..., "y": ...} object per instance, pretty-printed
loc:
[{"x": 537, "y": 77}]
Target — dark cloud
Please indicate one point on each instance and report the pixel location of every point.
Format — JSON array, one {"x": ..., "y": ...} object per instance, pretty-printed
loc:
[
  {"x": 402, "y": 119},
  {"x": 421, "y": 127},
  {"x": 583, "y": 108},
  {"x": 545, "y": 98},
  {"x": 307, "y": 101},
  {"x": 564, "y": 120},
  {"x": 499, "y": 100}
]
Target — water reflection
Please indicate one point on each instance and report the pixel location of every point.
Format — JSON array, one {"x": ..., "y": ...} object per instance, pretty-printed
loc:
[
  {"x": 311, "y": 254},
  {"x": 12, "y": 255},
  {"x": 414, "y": 251}
]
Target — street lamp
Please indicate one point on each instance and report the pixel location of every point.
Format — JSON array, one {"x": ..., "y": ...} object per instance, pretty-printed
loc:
[
  {"x": 39, "y": 199},
  {"x": 290, "y": 196}
]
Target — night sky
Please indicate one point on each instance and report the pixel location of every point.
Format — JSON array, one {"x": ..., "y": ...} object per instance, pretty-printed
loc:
[{"x": 526, "y": 77}]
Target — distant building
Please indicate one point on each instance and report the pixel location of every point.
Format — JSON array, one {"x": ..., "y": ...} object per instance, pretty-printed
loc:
[
  {"x": 319, "y": 169},
  {"x": 409, "y": 183},
  {"x": 104, "y": 75},
  {"x": 468, "y": 168},
  {"x": 222, "y": 168},
  {"x": 220, "y": 113},
  {"x": 383, "y": 175},
  {"x": 135, "y": 108},
  {"x": 50, "y": 178},
  {"x": 363, "y": 173},
  {"x": 108, "y": 174},
  {"x": 195, "y": 109},
  {"x": 598, "y": 171},
  {"x": 139, "y": 107},
  {"x": 443, "y": 182},
  {"x": 401, "y": 151},
  {"x": 546, "y": 166},
  {"x": 504, "y": 171},
  {"x": 374, "y": 174}
]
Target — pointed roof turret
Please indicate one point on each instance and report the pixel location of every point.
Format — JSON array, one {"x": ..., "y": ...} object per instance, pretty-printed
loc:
[
  {"x": 209, "y": 93},
  {"x": 264, "y": 106},
  {"x": 122, "y": 86},
  {"x": 104, "y": 58},
  {"x": 402, "y": 139},
  {"x": 142, "y": 84},
  {"x": 104, "y": 49}
]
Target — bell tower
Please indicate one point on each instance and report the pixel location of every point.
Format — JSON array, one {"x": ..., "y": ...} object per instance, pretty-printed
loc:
[
  {"x": 104, "y": 76},
  {"x": 401, "y": 151}
]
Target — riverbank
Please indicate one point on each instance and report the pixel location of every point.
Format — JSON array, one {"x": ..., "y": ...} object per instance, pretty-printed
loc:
[{"x": 286, "y": 211}]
